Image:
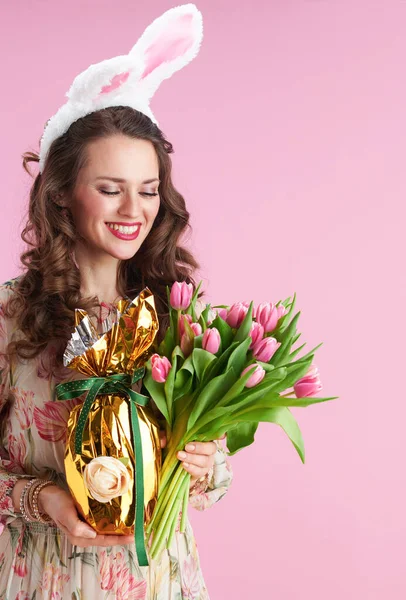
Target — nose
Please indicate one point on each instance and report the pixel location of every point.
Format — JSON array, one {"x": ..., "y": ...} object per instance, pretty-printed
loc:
[{"x": 130, "y": 205}]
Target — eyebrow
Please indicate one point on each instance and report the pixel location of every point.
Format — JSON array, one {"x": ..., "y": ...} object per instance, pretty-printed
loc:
[{"x": 120, "y": 180}]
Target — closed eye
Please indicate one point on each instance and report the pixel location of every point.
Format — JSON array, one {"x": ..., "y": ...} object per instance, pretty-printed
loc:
[{"x": 116, "y": 193}]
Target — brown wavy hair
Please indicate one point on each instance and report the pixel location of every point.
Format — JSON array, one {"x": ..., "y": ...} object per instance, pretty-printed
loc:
[{"x": 48, "y": 290}]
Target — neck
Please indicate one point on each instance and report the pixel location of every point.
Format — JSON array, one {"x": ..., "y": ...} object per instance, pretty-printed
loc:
[{"x": 98, "y": 275}]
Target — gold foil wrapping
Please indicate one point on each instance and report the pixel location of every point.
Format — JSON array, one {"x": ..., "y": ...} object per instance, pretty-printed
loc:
[{"x": 124, "y": 347}]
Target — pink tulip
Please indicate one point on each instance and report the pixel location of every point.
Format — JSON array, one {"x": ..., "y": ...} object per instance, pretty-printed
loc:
[
  {"x": 236, "y": 314},
  {"x": 309, "y": 385},
  {"x": 222, "y": 313},
  {"x": 189, "y": 334},
  {"x": 256, "y": 377},
  {"x": 267, "y": 314},
  {"x": 281, "y": 311},
  {"x": 211, "y": 340},
  {"x": 181, "y": 295},
  {"x": 264, "y": 349},
  {"x": 196, "y": 328},
  {"x": 256, "y": 333},
  {"x": 182, "y": 320},
  {"x": 160, "y": 368}
]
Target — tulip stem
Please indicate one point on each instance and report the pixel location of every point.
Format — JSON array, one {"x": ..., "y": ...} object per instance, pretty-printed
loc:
[
  {"x": 185, "y": 505},
  {"x": 170, "y": 516}
]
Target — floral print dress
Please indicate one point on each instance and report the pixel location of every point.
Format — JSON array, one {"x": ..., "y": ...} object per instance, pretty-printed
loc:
[{"x": 37, "y": 561}]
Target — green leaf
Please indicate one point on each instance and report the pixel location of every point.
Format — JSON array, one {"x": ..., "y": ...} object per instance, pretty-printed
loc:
[
  {"x": 245, "y": 327},
  {"x": 124, "y": 459},
  {"x": 156, "y": 391},
  {"x": 211, "y": 394},
  {"x": 301, "y": 402},
  {"x": 236, "y": 389},
  {"x": 183, "y": 379},
  {"x": 238, "y": 358},
  {"x": 293, "y": 354},
  {"x": 167, "y": 345},
  {"x": 240, "y": 436},
  {"x": 311, "y": 352},
  {"x": 279, "y": 415},
  {"x": 211, "y": 422},
  {"x": 266, "y": 366},
  {"x": 296, "y": 371},
  {"x": 218, "y": 366},
  {"x": 204, "y": 315},
  {"x": 201, "y": 360},
  {"x": 257, "y": 393},
  {"x": 191, "y": 309},
  {"x": 170, "y": 380},
  {"x": 284, "y": 321}
]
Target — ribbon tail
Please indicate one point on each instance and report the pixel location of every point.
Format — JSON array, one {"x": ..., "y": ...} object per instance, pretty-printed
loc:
[
  {"x": 139, "y": 538},
  {"x": 84, "y": 413}
]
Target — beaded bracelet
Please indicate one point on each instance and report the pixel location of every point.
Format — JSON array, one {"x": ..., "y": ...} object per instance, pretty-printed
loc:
[
  {"x": 29, "y": 501},
  {"x": 42, "y": 518},
  {"x": 24, "y": 508}
]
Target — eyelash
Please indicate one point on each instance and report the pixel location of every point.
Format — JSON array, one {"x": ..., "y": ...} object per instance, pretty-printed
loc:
[{"x": 115, "y": 193}]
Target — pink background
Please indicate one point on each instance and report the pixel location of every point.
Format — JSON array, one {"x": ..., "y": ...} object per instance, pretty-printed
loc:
[{"x": 289, "y": 130}]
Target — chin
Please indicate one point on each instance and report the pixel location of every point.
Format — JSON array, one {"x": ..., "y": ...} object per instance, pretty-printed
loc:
[{"x": 124, "y": 253}]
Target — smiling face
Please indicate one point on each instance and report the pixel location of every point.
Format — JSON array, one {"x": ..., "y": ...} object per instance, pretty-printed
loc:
[{"x": 116, "y": 198}]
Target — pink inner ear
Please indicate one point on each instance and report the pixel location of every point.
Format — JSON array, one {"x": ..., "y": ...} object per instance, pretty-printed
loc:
[
  {"x": 172, "y": 44},
  {"x": 115, "y": 83}
]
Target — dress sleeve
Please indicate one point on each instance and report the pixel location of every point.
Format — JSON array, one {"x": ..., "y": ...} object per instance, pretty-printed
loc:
[
  {"x": 7, "y": 479},
  {"x": 219, "y": 483}
]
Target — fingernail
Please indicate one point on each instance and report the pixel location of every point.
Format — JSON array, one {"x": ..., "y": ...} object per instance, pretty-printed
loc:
[
  {"x": 190, "y": 447},
  {"x": 89, "y": 534},
  {"x": 185, "y": 464},
  {"x": 182, "y": 455}
]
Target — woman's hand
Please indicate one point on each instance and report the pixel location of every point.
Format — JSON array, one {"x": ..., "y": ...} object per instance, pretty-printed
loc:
[
  {"x": 198, "y": 459},
  {"x": 59, "y": 505}
]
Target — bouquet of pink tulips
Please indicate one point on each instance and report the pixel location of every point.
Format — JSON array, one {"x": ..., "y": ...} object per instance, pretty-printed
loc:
[{"x": 223, "y": 373}]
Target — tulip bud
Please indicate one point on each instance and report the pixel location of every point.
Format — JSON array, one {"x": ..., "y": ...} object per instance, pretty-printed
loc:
[
  {"x": 264, "y": 349},
  {"x": 211, "y": 340},
  {"x": 281, "y": 311},
  {"x": 256, "y": 377},
  {"x": 267, "y": 314},
  {"x": 256, "y": 333},
  {"x": 196, "y": 328},
  {"x": 309, "y": 385},
  {"x": 160, "y": 368},
  {"x": 222, "y": 313},
  {"x": 181, "y": 295},
  {"x": 182, "y": 320},
  {"x": 186, "y": 343},
  {"x": 236, "y": 314}
]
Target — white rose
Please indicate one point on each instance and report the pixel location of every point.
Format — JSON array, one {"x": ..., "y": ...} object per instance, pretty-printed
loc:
[{"x": 106, "y": 478}]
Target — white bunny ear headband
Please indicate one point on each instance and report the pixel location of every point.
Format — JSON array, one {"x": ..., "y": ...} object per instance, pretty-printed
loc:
[{"x": 166, "y": 46}]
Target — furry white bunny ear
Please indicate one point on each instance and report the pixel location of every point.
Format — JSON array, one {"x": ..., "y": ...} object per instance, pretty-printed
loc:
[{"x": 168, "y": 44}]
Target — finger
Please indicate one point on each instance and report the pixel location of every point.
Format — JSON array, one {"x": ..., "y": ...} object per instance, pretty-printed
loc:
[
  {"x": 112, "y": 540},
  {"x": 199, "y": 460},
  {"x": 207, "y": 448},
  {"x": 76, "y": 528},
  {"x": 195, "y": 471}
]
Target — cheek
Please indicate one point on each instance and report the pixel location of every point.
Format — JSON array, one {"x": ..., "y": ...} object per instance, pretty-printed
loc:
[
  {"x": 153, "y": 210},
  {"x": 86, "y": 211}
]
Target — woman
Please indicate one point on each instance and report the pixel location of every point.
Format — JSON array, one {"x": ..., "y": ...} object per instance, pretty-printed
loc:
[{"x": 104, "y": 222}]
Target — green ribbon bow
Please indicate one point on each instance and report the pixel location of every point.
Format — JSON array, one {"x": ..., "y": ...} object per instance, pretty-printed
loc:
[{"x": 116, "y": 383}]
